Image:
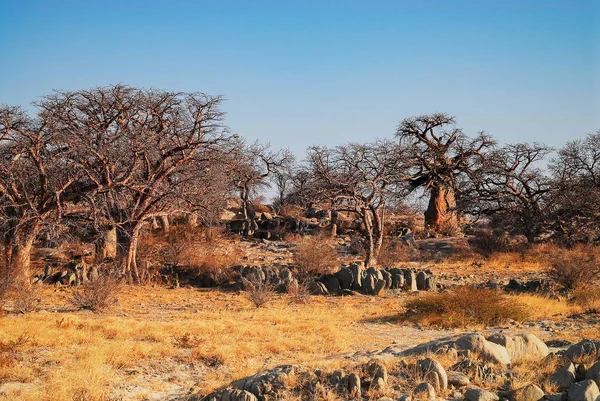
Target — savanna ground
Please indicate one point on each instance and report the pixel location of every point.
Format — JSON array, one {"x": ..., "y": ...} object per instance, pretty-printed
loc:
[{"x": 162, "y": 343}]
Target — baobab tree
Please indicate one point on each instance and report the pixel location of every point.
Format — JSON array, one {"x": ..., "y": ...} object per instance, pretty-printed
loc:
[
  {"x": 35, "y": 182},
  {"x": 438, "y": 153},
  {"x": 360, "y": 179},
  {"x": 132, "y": 147}
]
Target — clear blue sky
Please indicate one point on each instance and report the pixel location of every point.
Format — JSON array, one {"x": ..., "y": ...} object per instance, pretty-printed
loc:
[{"x": 298, "y": 73}]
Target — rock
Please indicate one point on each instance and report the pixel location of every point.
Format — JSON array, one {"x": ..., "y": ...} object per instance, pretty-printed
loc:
[
  {"x": 405, "y": 397},
  {"x": 584, "y": 348},
  {"x": 458, "y": 379},
  {"x": 477, "y": 394},
  {"x": 593, "y": 373},
  {"x": 267, "y": 384},
  {"x": 410, "y": 280},
  {"x": 369, "y": 284},
  {"x": 564, "y": 377},
  {"x": 434, "y": 373},
  {"x": 385, "y": 399},
  {"x": 378, "y": 372},
  {"x": 421, "y": 279},
  {"x": 556, "y": 397},
  {"x": 345, "y": 277},
  {"x": 356, "y": 270},
  {"x": 430, "y": 284},
  {"x": 387, "y": 277},
  {"x": 397, "y": 278},
  {"x": 487, "y": 349},
  {"x": 586, "y": 390},
  {"x": 353, "y": 386},
  {"x": 317, "y": 288},
  {"x": 229, "y": 394},
  {"x": 424, "y": 392},
  {"x": 379, "y": 289},
  {"x": 522, "y": 346},
  {"x": 333, "y": 285},
  {"x": 530, "y": 392}
]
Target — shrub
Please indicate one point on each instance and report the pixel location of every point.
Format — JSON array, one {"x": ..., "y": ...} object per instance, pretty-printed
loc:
[
  {"x": 26, "y": 299},
  {"x": 393, "y": 252},
  {"x": 464, "y": 306},
  {"x": 486, "y": 243},
  {"x": 575, "y": 268},
  {"x": 299, "y": 292},
  {"x": 214, "y": 261},
  {"x": 587, "y": 298},
  {"x": 258, "y": 292},
  {"x": 96, "y": 295},
  {"x": 314, "y": 256}
]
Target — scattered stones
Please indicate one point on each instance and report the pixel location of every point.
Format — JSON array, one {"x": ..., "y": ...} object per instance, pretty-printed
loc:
[
  {"x": 353, "y": 385},
  {"x": 458, "y": 379},
  {"x": 585, "y": 348},
  {"x": 266, "y": 384},
  {"x": 593, "y": 373},
  {"x": 229, "y": 394},
  {"x": 378, "y": 372},
  {"x": 522, "y": 346},
  {"x": 564, "y": 377},
  {"x": 434, "y": 373}
]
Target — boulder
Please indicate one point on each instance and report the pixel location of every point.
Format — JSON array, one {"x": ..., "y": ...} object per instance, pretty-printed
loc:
[
  {"x": 477, "y": 394},
  {"x": 345, "y": 277},
  {"x": 522, "y": 346},
  {"x": 458, "y": 379},
  {"x": 378, "y": 373},
  {"x": 379, "y": 288},
  {"x": 333, "y": 285},
  {"x": 424, "y": 392},
  {"x": 410, "y": 280},
  {"x": 583, "y": 349},
  {"x": 357, "y": 271},
  {"x": 317, "y": 288},
  {"x": 488, "y": 350},
  {"x": 586, "y": 390},
  {"x": 229, "y": 394},
  {"x": 593, "y": 373},
  {"x": 564, "y": 377},
  {"x": 434, "y": 373},
  {"x": 421, "y": 279},
  {"x": 369, "y": 284},
  {"x": 353, "y": 385},
  {"x": 530, "y": 392}
]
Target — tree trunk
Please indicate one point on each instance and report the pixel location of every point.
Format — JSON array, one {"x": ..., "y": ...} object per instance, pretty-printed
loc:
[
  {"x": 164, "y": 223},
  {"x": 441, "y": 211},
  {"x": 130, "y": 240},
  {"x": 18, "y": 258},
  {"x": 108, "y": 245},
  {"x": 370, "y": 256},
  {"x": 378, "y": 222},
  {"x": 192, "y": 220},
  {"x": 334, "y": 220}
]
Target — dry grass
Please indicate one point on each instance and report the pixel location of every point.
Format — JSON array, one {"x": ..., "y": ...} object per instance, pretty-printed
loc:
[
  {"x": 159, "y": 341},
  {"x": 315, "y": 256},
  {"x": 96, "y": 295},
  {"x": 465, "y": 307},
  {"x": 393, "y": 252},
  {"x": 587, "y": 298},
  {"x": 575, "y": 268}
]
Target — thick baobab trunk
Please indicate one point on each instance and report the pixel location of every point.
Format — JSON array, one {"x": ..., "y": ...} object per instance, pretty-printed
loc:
[
  {"x": 440, "y": 213},
  {"x": 18, "y": 259},
  {"x": 378, "y": 221},
  {"x": 107, "y": 249}
]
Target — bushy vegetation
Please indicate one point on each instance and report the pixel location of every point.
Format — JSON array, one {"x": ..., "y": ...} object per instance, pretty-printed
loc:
[
  {"x": 96, "y": 295},
  {"x": 315, "y": 256},
  {"x": 575, "y": 268},
  {"x": 464, "y": 306}
]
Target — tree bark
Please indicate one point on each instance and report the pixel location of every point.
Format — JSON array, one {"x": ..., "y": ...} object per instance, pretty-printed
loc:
[
  {"x": 164, "y": 223},
  {"x": 378, "y": 222},
  {"x": 129, "y": 244},
  {"x": 108, "y": 245},
  {"x": 440, "y": 212},
  {"x": 18, "y": 258},
  {"x": 370, "y": 256}
]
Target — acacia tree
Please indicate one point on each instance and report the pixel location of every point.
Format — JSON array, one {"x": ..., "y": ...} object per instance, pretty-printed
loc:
[
  {"x": 511, "y": 187},
  {"x": 250, "y": 167},
  {"x": 133, "y": 147},
  {"x": 438, "y": 153},
  {"x": 360, "y": 179},
  {"x": 35, "y": 181}
]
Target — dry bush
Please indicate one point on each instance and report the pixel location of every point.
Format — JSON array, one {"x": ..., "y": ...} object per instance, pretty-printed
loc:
[
  {"x": 357, "y": 246},
  {"x": 26, "y": 299},
  {"x": 314, "y": 256},
  {"x": 465, "y": 306},
  {"x": 587, "y": 298},
  {"x": 214, "y": 261},
  {"x": 291, "y": 211},
  {"x": 96, "y": 295},
  {"x": 259, "y": 207},
  {"x": 393, "y": 252},
  {"x": 574, "y": 268},
  {"x": 299, "y": 293},
  {"x": 486, "y": 243},
  {"x": 258, "y": 292}
]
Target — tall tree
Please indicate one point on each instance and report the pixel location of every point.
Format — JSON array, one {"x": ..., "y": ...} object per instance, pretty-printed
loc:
[{"x": 438, "y": 153}]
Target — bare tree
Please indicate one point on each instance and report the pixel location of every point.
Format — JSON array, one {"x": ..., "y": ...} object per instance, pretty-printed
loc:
[
  {"x": 133, "y": 147},
  {"x": 360, "y": 179},
  {"x": 250, "y": 167},
  {"x": 438, "y": 154},
  {"x": 576, "y": 190},
  {"x": 511, "y": 187},
  {"x": 34, "y": 182}
]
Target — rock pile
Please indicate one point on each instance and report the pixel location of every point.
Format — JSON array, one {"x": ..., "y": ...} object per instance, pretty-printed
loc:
[
  {"x": 281, "y": 279},
  {"x": 372, "y": 281}
]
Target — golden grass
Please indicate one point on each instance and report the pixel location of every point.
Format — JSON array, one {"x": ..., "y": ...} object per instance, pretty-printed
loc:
[{"x": 174, "y": 339}]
